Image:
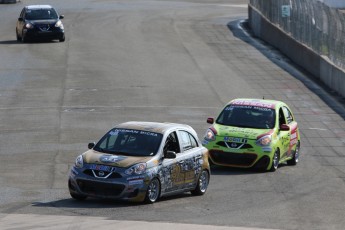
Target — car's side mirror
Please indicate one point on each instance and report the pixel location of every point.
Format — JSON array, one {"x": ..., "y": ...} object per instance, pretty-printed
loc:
[
  {"x": 61, "y": 17},
  {"x": 284, "y": 127},
  {"x": 91, "y": 145},
  {"x": 170, "y": 155},
  {"x": 210, "y": 120},
  {"x": 20, "y": 19}
]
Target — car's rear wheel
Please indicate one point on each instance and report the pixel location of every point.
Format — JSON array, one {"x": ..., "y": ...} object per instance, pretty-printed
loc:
[
  {"x": 275, "y": 161},
  {"x": 153, "y": 191},
  {"x": 202, "y": 184},
  {"x": 295, "y": 157}
]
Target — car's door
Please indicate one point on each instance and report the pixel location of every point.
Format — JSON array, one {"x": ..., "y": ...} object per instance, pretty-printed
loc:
[
  {"x": 283, "y": 134},
  {"x": 292, "y": 132},
  {"x": 171, "y": 177},
  {"x": 190, "y": 161}
]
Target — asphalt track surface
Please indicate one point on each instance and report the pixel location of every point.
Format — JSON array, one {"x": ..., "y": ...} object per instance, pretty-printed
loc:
[{"x": 161, "y": 60}]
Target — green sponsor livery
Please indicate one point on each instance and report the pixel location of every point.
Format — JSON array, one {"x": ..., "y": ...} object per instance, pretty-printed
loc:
[{"x": 253, "y": 133}]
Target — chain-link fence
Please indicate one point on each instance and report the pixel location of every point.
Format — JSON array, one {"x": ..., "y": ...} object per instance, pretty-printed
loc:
[{"x": 310, "y": 22}]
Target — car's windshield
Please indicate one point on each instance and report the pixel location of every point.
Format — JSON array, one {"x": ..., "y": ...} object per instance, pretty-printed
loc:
[
  {"x": 129, "y": 142},
  {"x": 247, "y": 116},
  {"x": 38, "y": 14}
]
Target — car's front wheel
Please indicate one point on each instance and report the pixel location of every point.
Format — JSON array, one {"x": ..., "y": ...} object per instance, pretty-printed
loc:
[
  {"x": 202, "y": 184},
  {"x": 23, "y": 38},
  {"x": 275, "y": 161},
  {"x": 62, "y": 39},
  {"x": 77, "y": 196},
  {"x": 295, "y": 157},
  {"x": 153, "y": 191},
  {"x": 17, "y": 35}
]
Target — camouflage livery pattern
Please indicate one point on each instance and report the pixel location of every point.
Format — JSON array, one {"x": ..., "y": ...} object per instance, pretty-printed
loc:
[{"x": 104, "y": 175}]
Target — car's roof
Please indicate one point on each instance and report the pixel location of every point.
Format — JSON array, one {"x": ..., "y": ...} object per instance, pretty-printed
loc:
[
  {"x": 31, "y": 7},
  {"x": 157, "y": 127},
  {"x": 256, "y": 102}
]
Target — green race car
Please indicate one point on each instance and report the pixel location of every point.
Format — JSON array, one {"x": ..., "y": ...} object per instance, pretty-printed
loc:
[{"x": 253, "y": 133}]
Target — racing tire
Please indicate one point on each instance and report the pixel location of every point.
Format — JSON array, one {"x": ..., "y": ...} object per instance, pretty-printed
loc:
[
  {"x": 62, "y": 39},
  {"x": 295, "y": 157},
  {"x": 153, "y": 191},
  {"x": 23, "y": 38},
  {"x": 78, "y": 197},
  {"x": 202, "y": 184},
  {"x": 17, "y": 36},
  {"x": 275, "y": 161}
]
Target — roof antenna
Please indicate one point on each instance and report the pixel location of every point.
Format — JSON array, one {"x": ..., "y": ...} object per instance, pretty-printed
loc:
[{"x": 263, "y": 97}]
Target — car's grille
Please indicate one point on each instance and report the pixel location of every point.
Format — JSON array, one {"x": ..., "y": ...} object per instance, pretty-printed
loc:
[
  {"x": 99, "y": 188},
  {"x": 102, "y": 174},
  {"x": 44, "y": 27},
  {"x": 234, "y": 145},
  {"x": 236, "y": 159}
]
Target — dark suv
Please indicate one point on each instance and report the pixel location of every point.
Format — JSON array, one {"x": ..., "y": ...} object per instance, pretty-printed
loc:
[{"x": 40, "y": 21}]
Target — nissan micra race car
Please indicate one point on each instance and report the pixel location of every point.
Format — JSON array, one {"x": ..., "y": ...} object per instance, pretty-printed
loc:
[
  {"x": 141, "y": 161},
  {"x": 253, "y": 133}
]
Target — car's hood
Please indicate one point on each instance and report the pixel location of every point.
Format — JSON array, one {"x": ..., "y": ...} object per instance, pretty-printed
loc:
[
  {"x": 231, "y": 131},
  {"x": 94, "y": 157},
  {"x": 43, "y": 21}
]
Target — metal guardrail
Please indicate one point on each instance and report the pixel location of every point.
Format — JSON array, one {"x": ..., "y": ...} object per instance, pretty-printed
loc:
[{"x": 310, "y": 22}]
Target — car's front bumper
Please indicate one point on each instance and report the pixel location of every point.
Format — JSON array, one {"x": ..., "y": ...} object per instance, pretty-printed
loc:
[
  {"x": 248, "y": 156},
  {"x": 32, "y": 34},
  {"x": 124, "y": 188}
]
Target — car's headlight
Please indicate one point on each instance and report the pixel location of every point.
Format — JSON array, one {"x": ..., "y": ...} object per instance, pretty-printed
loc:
[
  {"x": 137, "y": 169},
  {"x": 79, "y": 162},
  {"x": 29, "y": 26},
  {"x": 59, "y": 24},
  {"x": 264, "y": 140},
  {"x": 210, "y": 135}
]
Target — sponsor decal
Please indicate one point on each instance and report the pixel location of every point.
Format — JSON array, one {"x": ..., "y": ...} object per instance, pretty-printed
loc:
[
  {"x": 117, "y": 131},
  {"x": 107, "y": 158},
  {"x": 266, "y": 149},
  {"x": 135, "y": 182},
  {"x": 235, "y": 139},
  {"x": 204, "y": 142},
  {"x": 135, "y": 177},
  {"x": 253, "y": 103}
]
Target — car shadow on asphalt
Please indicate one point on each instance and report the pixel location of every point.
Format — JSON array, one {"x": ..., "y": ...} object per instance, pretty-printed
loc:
[
  {"x": 224, "y": 170},
  {"x": 15, "y": 42},
  {"x": 94, "y": 203},
  {"x": 9, "y": 42},
  {"x": 89, "y": 203}
]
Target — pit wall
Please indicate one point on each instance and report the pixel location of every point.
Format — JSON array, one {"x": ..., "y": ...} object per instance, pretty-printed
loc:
[{"x": 320, "y": 67}]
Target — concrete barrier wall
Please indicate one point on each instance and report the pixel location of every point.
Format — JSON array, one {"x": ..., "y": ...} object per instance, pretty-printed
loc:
[{"x": 320, "y": 67}]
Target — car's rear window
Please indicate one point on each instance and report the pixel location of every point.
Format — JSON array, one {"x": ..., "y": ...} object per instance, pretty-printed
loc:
[
  {"x": 247, "y": 116},
  {"x": 130, "y": 142},
  {"x": 38, "y": 14}
]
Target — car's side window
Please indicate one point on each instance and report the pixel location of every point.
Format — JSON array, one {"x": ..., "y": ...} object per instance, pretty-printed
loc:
[
  {"x": 171, "y": 143},
  {"x": 22, "y": 14},
  {"x": 187, "y": 141},
  {"x": 109, "y": 142},
  {"x": 281, "y": 117},
  {"x": 287, "y": 115}
]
